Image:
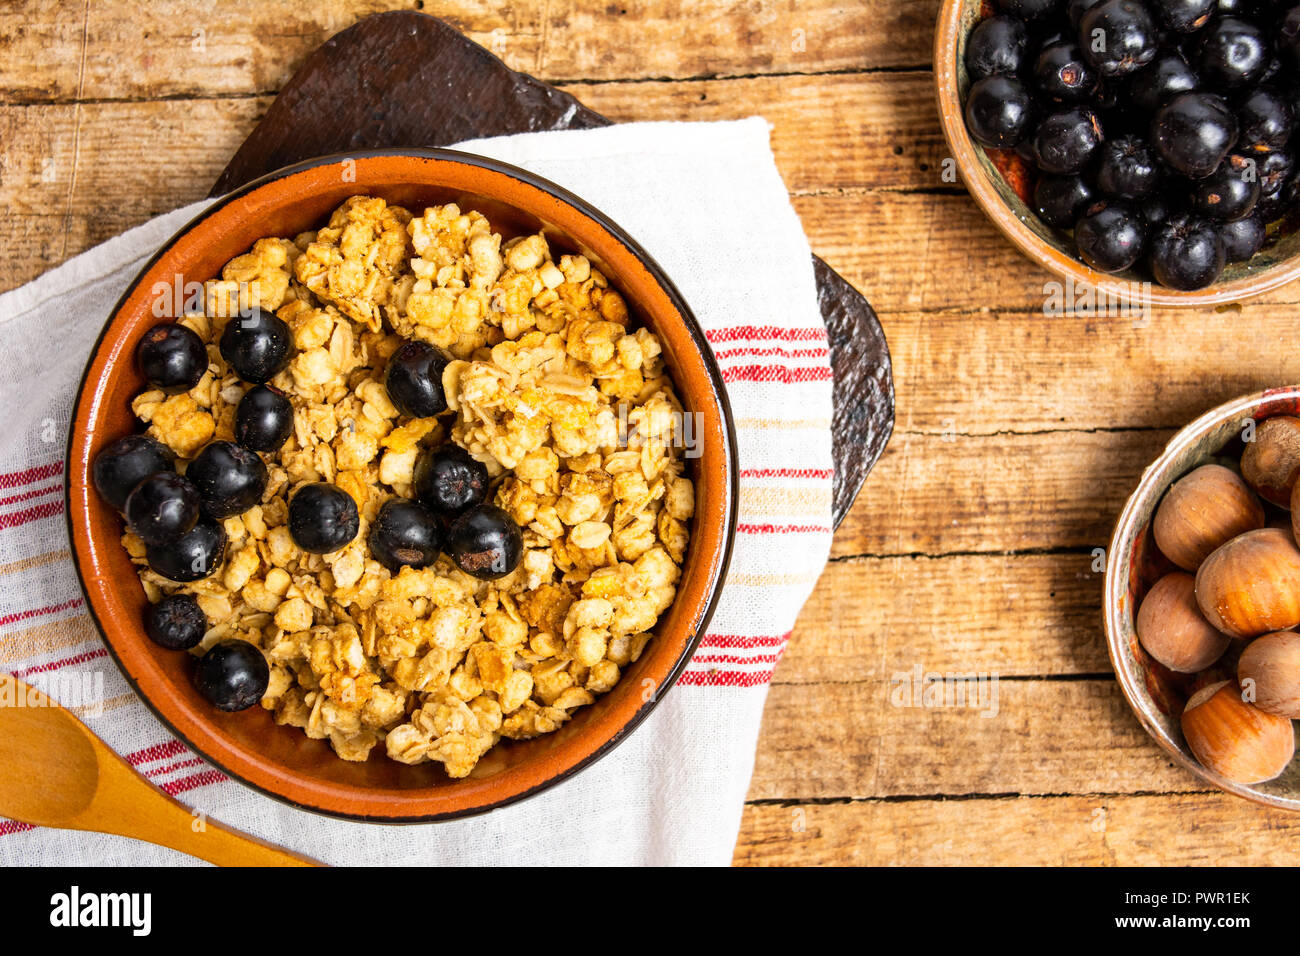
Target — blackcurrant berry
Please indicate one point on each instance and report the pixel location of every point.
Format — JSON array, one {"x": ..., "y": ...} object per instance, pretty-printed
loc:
[
  {"x": 1060, "y": 200},
  {"x": 405, "y": 533},
  {"x": 1119, "y": 37},
  {"x": 1266, "y": 121},
  {"x": 230, "y": 479},
  {"x": 1184, "y": 16},
  {"x": 448, "y": 480},
  {"x": 1233, "y": 53},
  {"x": 998, "y": 44},
  {"x": 176, "y": 622},
  {"x": 1111, "y": 236},
  {"x": 256, "y": 345},
  {"x": 264, "y": 419},
  {"x": 414, "y": 379},
  {"x": 1128, "y": 168},
  {"x": 172, "y": 357},
  {"x": 125, "y": 463},
  {"x": 233, "y": 675},
  {"x": 1193, "y": 133},
  {"x": 1187, "y": 253},
  {"x": 1243, "y": 238},
  {"x": 1062, "y": 73},
  {"x": 162, "y": 508},
  {"x": 322, "y": 518},
  {"x": 1229, "y": 193},
  {"x": 1067, "y": 141},
  {"x": 193, "y": 555},
  {"x": 485, "y": 542}
]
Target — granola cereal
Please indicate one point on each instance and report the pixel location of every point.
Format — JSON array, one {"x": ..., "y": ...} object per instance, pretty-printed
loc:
[{"x": 549, "y": 383}]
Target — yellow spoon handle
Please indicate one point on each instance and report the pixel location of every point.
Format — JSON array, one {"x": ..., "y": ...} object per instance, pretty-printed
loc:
[
  {"x": 55, "y": 772},
  {"x": 127, "y": 809}
]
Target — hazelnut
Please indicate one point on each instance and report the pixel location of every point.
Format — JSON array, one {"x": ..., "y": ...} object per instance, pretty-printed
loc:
[
  {"x": 1235, "y": 739},
  {"x": 1271, "y": 460},
  {"x": 1172, "y": 630},
  {"x": 1272, "y": 666},
  {"x": 1201, "y": 511},
  {"x": 1251, "y": 585}
]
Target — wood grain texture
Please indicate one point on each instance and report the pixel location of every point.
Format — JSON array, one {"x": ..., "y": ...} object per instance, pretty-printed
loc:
[
  {"x": 56, "y": 50},
  {"x": 979, "y": 373},
  {"x": 1195, "y": 829},
  {"x": 103, "y": 167},
  {"x": 870, "y": 618},
  {"x": 830, "y": 134},
  {"x": 837, "y": 740},
  {"x": 942, "y": 493},
  {"x": 74, "y": 176}
]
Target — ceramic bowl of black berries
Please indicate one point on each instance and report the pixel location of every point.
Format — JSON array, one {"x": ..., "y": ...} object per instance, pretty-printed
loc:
[
  {"x": 302, "y": 540},
  {"x": 1148, "y": 148}
]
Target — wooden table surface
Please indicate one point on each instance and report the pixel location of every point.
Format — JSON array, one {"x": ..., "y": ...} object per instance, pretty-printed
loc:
[{"x": 971, "y": 547}]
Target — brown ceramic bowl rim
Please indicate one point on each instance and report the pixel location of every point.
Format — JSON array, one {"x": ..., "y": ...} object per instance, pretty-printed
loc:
[
  {"x": 78, "y": 531},
  {"x": 976, "y": 177},
  {"x": 1156, "y": 479}
]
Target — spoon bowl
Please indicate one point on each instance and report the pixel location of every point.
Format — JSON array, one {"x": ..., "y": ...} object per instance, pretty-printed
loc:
[{"x": 55, "y": 773}]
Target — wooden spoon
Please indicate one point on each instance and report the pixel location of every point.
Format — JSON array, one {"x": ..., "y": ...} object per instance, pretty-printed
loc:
[{"x": 55, "y": 773}]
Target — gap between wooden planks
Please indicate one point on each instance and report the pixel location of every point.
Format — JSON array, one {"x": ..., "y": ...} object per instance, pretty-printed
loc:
[
  {"x": 1192, "y": 829},
  {"x": 837, "y": 740},
  {"x": 170, "y": 48},
  {"x": 145, "y": 157},
  {"x": 858, "y": 151}
]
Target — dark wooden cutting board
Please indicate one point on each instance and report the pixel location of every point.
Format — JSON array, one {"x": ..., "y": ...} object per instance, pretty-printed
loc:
[{"x": 408, "y": 79}]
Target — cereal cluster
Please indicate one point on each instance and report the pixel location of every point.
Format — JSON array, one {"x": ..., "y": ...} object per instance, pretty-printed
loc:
[{"x": 550, "y": 386}]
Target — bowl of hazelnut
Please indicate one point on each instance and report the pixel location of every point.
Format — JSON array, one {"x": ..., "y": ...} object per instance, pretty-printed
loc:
[
  {"x": 1202, "y": 597},
  {"x": 1141, "y": 147}
]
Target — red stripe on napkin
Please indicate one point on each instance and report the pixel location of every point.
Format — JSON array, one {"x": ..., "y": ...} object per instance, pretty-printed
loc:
[
  {"x": 759, "y": 332},
  {"x": 775, "y": 373},
  {"x": 37, "y": 612},
  {"x": 17, "y": 479},
  {"x": 19, "y": 518}
]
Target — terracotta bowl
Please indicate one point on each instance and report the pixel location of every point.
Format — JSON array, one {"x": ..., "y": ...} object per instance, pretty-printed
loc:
[
  {"x": 281, "y": 761},
  {"x": 1157, "y": 694},
  {"x": 1003, "y": 201}
]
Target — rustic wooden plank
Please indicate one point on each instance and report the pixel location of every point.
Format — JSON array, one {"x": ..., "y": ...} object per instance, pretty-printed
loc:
[
  {"x": 74, "y": 176},
  {"x": 943, "y": 493},
  {"x": 830, "y": 133},
  {"x": 69, "y": 49},
  {"x": 848, "y": 740},
  {"x": 871, "y": 618},
  {"x": 671, "y": 38},
  {"x": 962, "y": 373},
  {"x": 135, "y": 159},
  {"x": 927, "y": 252},
  {"x": 932, "y": 252},
  {"x": 1199, "y": 829}
]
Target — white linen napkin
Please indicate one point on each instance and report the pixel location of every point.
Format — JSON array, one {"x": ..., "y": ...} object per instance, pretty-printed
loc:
[{"x": 706, "y": 200}]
